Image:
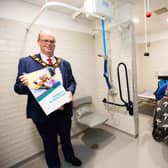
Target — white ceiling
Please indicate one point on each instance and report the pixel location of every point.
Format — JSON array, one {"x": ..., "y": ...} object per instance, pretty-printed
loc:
[{"x": 155, "y": 23}]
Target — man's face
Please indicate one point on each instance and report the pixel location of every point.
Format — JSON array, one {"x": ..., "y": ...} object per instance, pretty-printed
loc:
[{"x": 46, "y": 43}]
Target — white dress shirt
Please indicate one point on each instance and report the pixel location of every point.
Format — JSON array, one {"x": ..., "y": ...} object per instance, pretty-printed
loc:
[{"x": 57, "y": 70}]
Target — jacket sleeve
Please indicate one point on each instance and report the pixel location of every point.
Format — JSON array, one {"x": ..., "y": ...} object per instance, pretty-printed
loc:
[
  {"x": 18, "y": 86},
  {"x": 71, "y": 80}
]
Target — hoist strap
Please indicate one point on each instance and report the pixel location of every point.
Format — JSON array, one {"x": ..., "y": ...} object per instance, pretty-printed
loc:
[{"x": 105, "y": 57}]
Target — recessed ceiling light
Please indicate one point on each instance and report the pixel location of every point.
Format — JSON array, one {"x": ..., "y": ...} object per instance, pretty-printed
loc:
[
  {"x": 136, "y": 20},
  {"x": 166, "y": 19}
]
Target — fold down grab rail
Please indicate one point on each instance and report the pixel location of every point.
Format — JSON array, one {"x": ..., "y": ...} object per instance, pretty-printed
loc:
[{"x": 128, "y": 104}]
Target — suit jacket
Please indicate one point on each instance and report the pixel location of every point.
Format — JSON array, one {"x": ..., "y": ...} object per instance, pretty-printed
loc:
[{"x": 34, "y": 111}]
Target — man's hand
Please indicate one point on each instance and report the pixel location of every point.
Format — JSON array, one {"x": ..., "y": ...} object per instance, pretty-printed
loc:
[
  {"x": 61, "y": 108},
  {"x": 24, "y": 79},
  {"x": 70, "y": 94}
]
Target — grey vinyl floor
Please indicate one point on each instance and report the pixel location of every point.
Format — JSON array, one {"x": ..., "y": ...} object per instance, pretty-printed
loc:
[{"x": 105, "y": 147}]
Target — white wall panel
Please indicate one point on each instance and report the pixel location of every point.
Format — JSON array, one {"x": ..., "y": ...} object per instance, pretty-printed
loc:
[
  {"x": 150, "y": 67},
  {"x": 121, "y": 49}
]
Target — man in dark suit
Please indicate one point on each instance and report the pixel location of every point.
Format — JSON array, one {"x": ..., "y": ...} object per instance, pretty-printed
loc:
[{"x": 58, "y": 122}]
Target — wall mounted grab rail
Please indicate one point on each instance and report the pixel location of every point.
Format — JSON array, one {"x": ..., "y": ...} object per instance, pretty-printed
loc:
[{"x": 128, "y": 104}]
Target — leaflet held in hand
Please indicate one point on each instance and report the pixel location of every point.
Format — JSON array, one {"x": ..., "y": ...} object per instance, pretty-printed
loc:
[{"x": 47, "y": 89}]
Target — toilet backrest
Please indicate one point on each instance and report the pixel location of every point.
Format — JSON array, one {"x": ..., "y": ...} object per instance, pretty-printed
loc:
[
  {"x": 82, "y": 106},
  {"x": 82, "y": 101}
]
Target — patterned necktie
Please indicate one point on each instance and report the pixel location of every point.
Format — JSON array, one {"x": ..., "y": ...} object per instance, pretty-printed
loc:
[{"x": 50, "y": 61}]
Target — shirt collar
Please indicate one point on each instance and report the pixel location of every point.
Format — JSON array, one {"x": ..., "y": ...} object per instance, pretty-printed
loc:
[{"x": 44, "y": 58}]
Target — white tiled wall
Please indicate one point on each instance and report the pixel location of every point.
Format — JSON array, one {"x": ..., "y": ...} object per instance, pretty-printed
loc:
[{"x": 18, "y": 136}]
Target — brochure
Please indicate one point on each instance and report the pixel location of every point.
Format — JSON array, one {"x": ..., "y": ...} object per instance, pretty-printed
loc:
[{"x": 47, "y": 89}]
